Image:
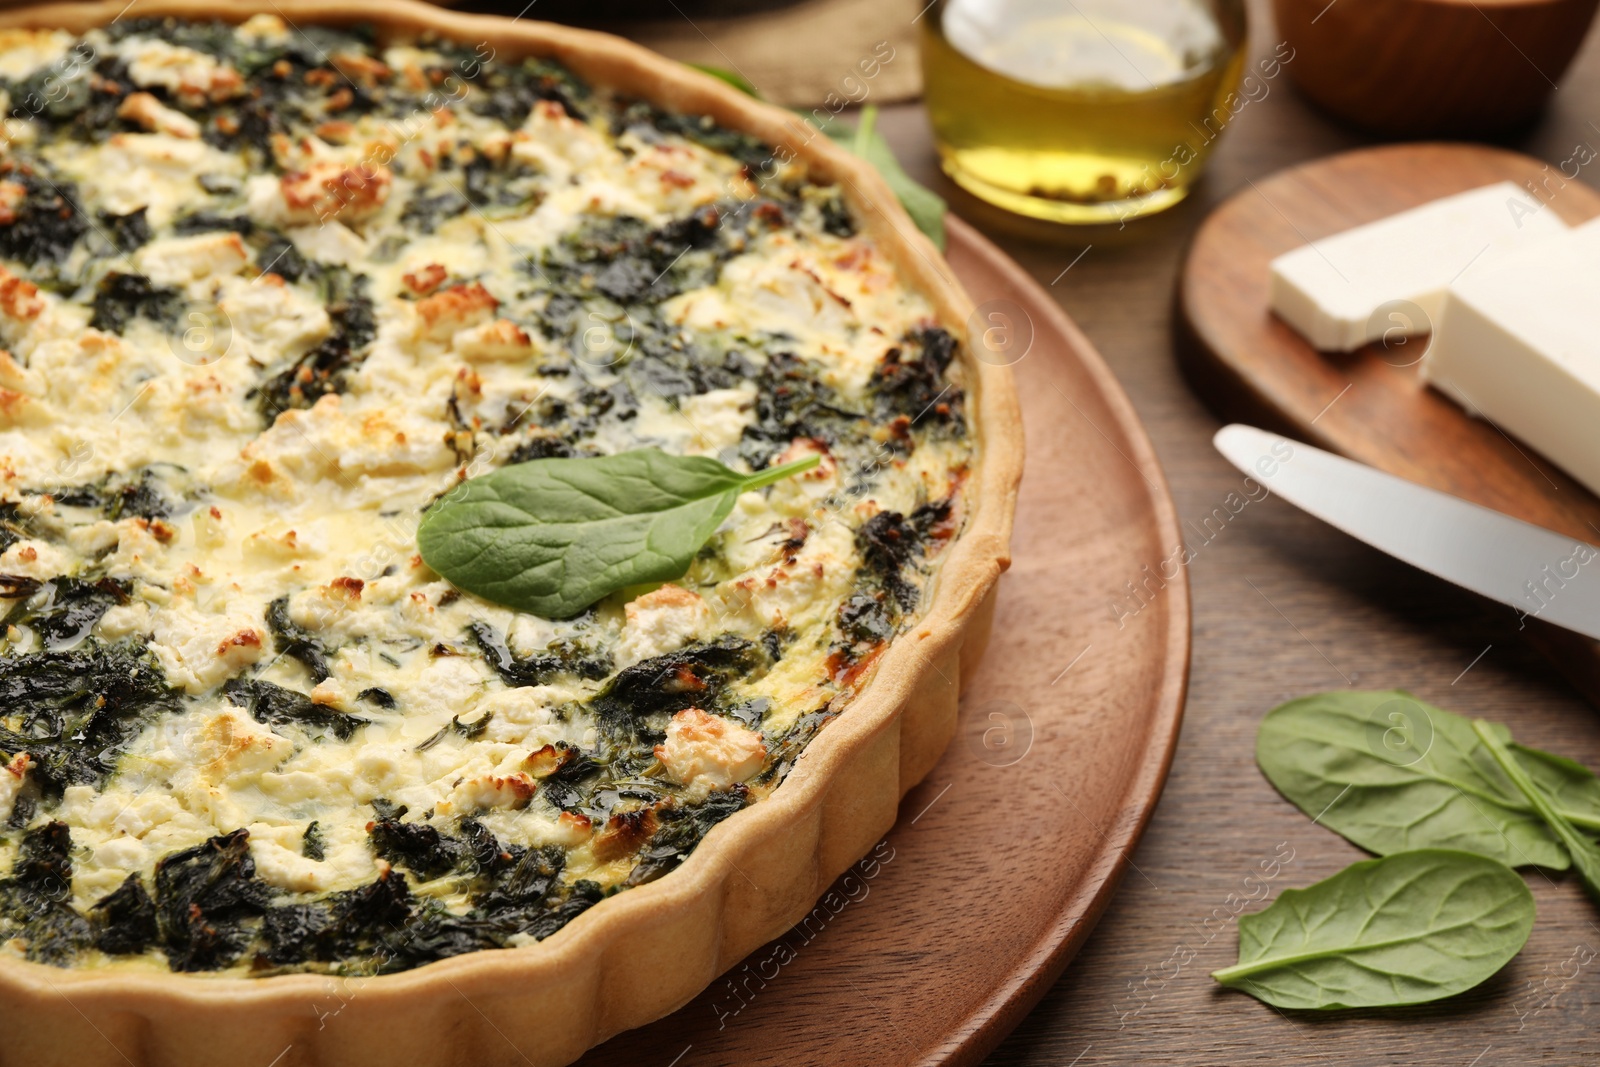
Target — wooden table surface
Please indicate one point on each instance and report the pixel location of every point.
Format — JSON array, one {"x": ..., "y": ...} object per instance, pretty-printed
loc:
[{"x": 1283, "y": 606}]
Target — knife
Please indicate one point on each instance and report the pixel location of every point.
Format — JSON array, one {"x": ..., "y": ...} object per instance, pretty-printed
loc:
[{"x": 1537, "y": 572}]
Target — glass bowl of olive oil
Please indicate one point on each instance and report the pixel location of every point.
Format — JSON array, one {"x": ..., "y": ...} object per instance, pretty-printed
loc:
[{"x": 1080, "y": 111}]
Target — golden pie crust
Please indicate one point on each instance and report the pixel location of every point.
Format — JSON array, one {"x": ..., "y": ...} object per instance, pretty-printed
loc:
[{"x": 646, "y": 952}]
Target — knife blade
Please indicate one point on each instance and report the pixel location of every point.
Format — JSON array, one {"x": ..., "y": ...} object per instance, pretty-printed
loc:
[{"x": 1539, "y": 573}]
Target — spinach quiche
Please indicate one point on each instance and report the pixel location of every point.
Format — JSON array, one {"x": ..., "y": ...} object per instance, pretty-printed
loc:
[{"x": 273, "y": 292}]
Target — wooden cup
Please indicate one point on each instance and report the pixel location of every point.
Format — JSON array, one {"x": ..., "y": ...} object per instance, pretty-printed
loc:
[{"x": 1430, "y": 68}]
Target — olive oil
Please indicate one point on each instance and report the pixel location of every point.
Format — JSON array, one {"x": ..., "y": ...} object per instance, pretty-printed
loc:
[{"x": 1080, "y": 110}]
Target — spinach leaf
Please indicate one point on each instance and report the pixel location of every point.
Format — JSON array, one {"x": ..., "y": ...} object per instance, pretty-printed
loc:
[
  {"x": 125, "y": 919},
  {"x": 296, "y": 642},
  {"x": 1390, "y": 772},
  {"x": 273, "y": 705},
  {"x": 1585, "y": 854},
  {"x": 1405, "y": 929},
  {"x": 560, "y": 657},
  {"x": 1572, "y": 787},
  {"x": 926, "y": 208},
  {"x": 121, "y": 298},
  {"x": 552, "y": 536},
  {"x": 74, "y": 711},
  {"x": 204, "y": 898},
  {"x": 733, "y": 78}
]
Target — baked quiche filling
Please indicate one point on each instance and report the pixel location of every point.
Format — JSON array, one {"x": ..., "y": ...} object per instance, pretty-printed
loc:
[{"x": 267, "y": 293}]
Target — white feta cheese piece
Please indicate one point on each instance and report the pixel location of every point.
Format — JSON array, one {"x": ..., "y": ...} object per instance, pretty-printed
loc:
[
  {"x": 182, "y": 260},
  {"x": 13, "y": 776},
  {"x": 200, "y": 651},
  {"x": 500, "y": 340},
  {"x": 561, "y": 145},
  {"x": 488, "y": 791},
  {"x": 1335, "y": 291},
  {"x": 193, "y": 77},
  {"x": 800, "y": 585},
  {"x": 263, "y": 29},
  {"x": 156, "y": 117},
  {"x": 34, "y": 559},
  {"x": 329, "y": 189},
  {"x": 286, "y": 867},
  {"x": 440, "y": 316},
  {"x": 706, "y": 752},
  {"x": 24, "y": 51},
  {"x": 1516, "y": 344},
  {"x": 271, "y": 316},
  {"x": 719, "y": 416},
  {"x": 659, "y": 622},
  {"x": 155, "y": 171}
]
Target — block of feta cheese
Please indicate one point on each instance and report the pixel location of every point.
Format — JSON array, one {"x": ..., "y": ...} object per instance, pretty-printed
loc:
[
  {"x": 1518, "y": 343},
  {"x": 1355, "y": 287}
]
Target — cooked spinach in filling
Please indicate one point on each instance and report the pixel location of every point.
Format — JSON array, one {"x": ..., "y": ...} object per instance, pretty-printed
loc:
[{"x": 265, "y": 296}]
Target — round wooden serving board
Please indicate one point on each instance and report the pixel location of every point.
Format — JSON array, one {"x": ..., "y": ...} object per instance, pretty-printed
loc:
[
  {"x": 937, "y": 944},
  {"x": 1370, "y": 405}
]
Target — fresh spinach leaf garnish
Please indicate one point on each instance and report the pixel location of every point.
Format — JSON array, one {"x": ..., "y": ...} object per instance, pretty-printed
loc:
[
  {"x": 1572, "y": 788},
  {"x": 1401, "y": 777},
  {"x": 926, "y": 207},
  {"x": 1390, "y": 772},
  {"x": 733, "y": 78},
  {"x": 1404, "y": 929},
  {"x": 1585, "y": 855},
  {"x": 552, "y": 536}
]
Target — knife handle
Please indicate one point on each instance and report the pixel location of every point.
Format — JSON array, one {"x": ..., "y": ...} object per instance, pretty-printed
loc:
[{"x": 1574, "y": 655}]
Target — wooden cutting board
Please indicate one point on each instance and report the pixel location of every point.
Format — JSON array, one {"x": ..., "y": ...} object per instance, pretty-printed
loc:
[
  {"x": 936, "y": 945},
  {"x": 1371, "y": 405}
]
